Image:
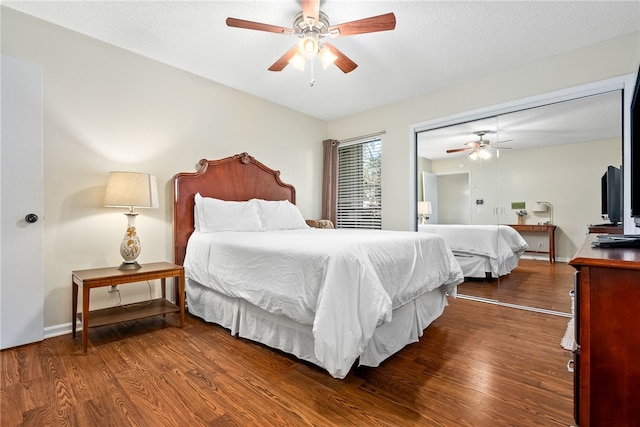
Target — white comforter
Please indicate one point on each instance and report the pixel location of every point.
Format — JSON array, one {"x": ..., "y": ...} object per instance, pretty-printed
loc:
[
  {"x": 342, "y": 282},
  {"x": 496, "y": 242}
]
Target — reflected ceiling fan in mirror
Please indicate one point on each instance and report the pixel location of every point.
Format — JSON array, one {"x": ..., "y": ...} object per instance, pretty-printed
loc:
[
  {"x": 480, "y": 148},
  {"x": 311, "y": 26}
]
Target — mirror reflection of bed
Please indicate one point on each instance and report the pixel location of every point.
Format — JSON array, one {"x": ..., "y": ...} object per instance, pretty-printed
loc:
[{"x": 553, "y": 153}]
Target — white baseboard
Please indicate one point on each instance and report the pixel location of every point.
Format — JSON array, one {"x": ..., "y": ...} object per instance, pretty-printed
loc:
[
  {"x": 62, "y": 329},
  {"x": 542, "y": 257}
]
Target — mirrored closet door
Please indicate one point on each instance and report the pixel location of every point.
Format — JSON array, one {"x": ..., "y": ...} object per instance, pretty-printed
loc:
[{"x": 537, "y": 171}]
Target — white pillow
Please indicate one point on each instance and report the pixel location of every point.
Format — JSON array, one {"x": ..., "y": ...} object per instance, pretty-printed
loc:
[
  {"x": 280, "y": 215},
  {"x": 211, "y": 215}
]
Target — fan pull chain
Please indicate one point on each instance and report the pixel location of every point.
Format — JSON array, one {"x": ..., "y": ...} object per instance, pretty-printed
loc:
[{"x": 313, "y": 80}]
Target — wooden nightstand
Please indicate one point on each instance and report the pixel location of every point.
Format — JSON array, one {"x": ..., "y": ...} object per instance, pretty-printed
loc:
[
  {"x": 550, "y": 229},
  {"x": 111, "y": 276}
]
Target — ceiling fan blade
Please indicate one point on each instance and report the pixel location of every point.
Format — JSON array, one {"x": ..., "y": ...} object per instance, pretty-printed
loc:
[
  {"x": 342, "y": 61},
  {"x": 367, "y": 25},
  {"x": 496, "y": 147},
  {"x": 311, "y": 9},
  {"x": 458, "y": 150},
  {"x": 251, "y": 25},
  {"x": 283, "y": 61}
]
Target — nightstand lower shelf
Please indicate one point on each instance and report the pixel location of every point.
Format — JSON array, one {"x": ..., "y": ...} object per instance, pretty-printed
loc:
[{"x": 108, "y": 316}]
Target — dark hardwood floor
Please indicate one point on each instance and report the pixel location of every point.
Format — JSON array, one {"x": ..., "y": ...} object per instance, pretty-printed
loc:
[
  {"x": 477, "y": 365},
  {"x": 534, "y": 283}
]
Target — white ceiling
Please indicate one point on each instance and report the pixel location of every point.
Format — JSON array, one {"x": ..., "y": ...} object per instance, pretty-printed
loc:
[{"x": 435, "y": 44}]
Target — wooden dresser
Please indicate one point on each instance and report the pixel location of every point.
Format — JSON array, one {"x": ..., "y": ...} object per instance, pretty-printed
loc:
[
  {"x": 607, "y": 360},
  {"x": 605, "y": 229}
]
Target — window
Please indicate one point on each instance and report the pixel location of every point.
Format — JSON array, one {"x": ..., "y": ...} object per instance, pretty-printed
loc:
[{"x": 359, "y": 185}]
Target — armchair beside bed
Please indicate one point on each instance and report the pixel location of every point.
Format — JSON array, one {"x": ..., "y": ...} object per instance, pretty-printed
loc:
[{"x": 319, "y": 223}]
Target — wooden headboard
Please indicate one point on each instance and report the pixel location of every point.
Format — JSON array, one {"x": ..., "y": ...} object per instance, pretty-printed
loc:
[{"x": 235, "y": 178}]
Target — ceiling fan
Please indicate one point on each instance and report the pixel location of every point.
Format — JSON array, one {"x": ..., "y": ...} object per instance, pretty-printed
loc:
[
  {"x": 311, "y": 26},
  {"x": 480, "y": 147}
]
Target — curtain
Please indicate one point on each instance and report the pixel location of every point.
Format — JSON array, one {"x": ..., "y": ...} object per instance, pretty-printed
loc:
[{"x": 330, "y": 179}]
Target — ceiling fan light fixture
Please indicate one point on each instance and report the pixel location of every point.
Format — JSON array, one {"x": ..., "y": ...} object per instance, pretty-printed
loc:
[
  {"x": 308, "y": 46},
  {"x": 479, "y": 153},
  {"x": 298, "y": 61},
  {"x": 484, "y": 154},
  {"x": 326, "y": 57}
]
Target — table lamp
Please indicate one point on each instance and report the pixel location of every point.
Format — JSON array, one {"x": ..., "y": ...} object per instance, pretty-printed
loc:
[
  {"x": 424, "y": 210},
  {"x": 544, "y": 207},
  {"x": 131, "y": 190}
]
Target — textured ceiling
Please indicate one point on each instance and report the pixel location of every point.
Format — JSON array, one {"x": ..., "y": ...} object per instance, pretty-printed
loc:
[{"x": 435, "y": 44}]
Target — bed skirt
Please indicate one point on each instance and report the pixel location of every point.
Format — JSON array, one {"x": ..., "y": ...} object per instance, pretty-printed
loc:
[
  {"x": 479, "y": 267},
  {"x": 248, "y": 321}
]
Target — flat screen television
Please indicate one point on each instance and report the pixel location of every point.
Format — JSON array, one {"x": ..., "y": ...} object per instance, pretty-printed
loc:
[
  {"x": 635, "y": 152},
  {"x": 612, "y": 195}
]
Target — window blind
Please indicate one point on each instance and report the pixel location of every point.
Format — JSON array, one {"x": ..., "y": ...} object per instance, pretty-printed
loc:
[{"x": 359, "y": 185}]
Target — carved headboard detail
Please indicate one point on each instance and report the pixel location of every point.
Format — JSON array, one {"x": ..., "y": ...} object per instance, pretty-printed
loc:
[{"x": 236, "y": 178}]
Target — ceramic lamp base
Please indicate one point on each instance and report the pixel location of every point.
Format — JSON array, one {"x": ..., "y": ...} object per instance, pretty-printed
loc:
[{"x": 130, "y": 246}]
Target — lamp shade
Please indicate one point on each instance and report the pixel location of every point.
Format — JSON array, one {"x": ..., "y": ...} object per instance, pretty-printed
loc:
[
  {"x": 308, "y": 45},
  {"x": 326, "y": 57},
  {"x": 424, "y": 208},
  {"x": 132, "y": 190},
  {"x": 541, "y": 207}
]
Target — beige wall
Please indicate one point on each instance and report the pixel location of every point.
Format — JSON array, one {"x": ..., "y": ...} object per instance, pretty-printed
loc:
[
  {"x": 613, "y": 58},
  {"x": 108, "y": 109}
]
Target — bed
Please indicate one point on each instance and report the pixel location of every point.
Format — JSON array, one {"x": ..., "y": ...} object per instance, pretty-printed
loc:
[
  {"x": 483, "y": 251},
  {"x": 334, "y": 298}
]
